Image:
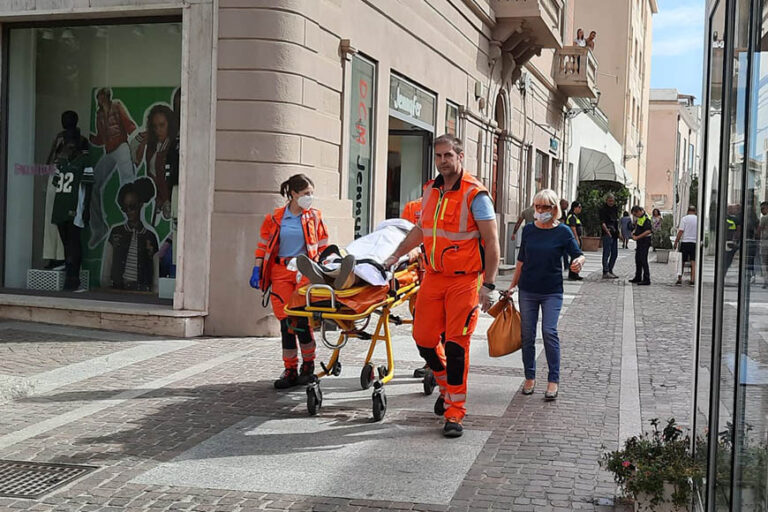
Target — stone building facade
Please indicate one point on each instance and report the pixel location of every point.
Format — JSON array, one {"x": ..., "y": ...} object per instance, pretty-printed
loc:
[{"x": 349, "y": 92}]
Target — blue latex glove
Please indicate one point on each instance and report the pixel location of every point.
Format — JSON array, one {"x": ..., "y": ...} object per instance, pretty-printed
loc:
[{"x": 255, "y": 277}]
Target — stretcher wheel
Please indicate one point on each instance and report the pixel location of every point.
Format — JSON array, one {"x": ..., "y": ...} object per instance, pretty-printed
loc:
[
  {"x": 366, "y": 376},
  {"x": 379, "y": 403},
  {"x": 336, "y": 369},
  {"x": 383, "y": 371},
  {"x": 314, "y": 397},
  {"x": 429, "y": 382}
]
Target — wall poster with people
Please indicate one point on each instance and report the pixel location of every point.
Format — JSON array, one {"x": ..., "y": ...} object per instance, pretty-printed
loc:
[{"x": 134, "y": 145}]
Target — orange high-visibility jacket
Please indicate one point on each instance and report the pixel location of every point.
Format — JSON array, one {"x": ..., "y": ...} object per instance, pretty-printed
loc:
[
  {"x": 315, "y": 237},
  {"x": 452, "y": 240},
  {"x": 412, "y": 211}
]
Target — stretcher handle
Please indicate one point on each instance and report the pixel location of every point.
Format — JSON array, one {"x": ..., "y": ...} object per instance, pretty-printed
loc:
[
  {"x": 332, "y": 346},
  {"x": 308, "y": 294}
]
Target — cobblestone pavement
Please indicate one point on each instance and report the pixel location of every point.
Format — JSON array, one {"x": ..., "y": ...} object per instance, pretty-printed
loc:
[{"x": 164, "y": 420}]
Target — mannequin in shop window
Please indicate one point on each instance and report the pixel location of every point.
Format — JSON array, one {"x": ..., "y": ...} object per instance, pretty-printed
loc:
[
  {"x": 130, "y": 254},
  {"x": 53, "y": 247},
  {"x": 68, "y": 204}
]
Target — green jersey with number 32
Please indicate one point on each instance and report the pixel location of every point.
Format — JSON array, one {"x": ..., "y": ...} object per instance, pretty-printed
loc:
[{"x": 67, "y": 184}]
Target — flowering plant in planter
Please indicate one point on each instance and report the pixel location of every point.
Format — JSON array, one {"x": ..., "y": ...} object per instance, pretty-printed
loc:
[{"x": 649, "y": 461}]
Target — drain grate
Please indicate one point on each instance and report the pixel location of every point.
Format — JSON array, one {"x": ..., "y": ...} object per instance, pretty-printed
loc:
[{"x": 19, "y": 479}]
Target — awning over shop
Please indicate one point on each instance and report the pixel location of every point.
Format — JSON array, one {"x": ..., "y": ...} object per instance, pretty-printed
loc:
[{"x": 596, "y": 165}]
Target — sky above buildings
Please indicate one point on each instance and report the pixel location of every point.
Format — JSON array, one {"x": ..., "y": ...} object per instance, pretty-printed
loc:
[{"x": 678, "y": 38}]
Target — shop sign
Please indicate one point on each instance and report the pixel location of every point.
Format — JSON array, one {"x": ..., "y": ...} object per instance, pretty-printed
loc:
[
  {"x": 554, "y": 144},
  {"x": 361, "y": 138},
  {"x": 411, "y": 100}
]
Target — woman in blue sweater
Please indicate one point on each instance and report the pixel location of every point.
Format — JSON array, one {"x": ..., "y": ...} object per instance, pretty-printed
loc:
[{"x": 540, "y": 279}]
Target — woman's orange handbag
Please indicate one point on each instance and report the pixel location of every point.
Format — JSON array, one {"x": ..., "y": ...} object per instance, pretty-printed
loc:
[{"x": 504, "y": 334}]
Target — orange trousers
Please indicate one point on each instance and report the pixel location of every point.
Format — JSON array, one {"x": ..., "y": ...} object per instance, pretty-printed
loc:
[
  {"x": 283, "y": 286},
  {"x": 447, "y": 304}
]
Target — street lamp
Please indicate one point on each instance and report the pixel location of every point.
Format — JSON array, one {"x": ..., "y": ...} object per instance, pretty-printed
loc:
[
  {"x": 591, "y": 109},
  {"x": 639, "y": 152}
]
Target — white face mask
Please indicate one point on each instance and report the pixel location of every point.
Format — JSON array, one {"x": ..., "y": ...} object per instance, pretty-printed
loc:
[
  {"x": 543, "y": 216},
  {"x": 305, "y": 202}
]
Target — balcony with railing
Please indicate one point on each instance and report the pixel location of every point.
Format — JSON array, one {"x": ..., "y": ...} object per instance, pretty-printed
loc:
[
  {"x": 576, "y": 72},
  {"x": 540, "y": 19}
]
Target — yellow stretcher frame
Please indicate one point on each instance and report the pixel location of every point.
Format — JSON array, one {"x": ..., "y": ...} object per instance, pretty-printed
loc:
[{"x": 346, "y": 321}]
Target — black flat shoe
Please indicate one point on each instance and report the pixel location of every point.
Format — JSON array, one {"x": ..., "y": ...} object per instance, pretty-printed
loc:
[
  {"x": 644, "y": 283},
  {"x": 551, "y": 395}
]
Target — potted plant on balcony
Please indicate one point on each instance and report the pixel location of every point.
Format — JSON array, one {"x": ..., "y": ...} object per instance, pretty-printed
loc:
[
  {"x": 656, "y": 468},
  {"x": 660, "y": 240},
  {"x": 591, "y": 195}
]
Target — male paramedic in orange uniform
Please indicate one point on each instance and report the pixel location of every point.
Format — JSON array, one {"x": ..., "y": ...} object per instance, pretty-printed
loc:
[
  {"x": 412, "y": 211},
  {"x": 459, "y": 233}
]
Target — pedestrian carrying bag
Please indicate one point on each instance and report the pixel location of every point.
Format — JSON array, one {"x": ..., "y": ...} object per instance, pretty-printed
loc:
[{"x": 504, "y": 334}]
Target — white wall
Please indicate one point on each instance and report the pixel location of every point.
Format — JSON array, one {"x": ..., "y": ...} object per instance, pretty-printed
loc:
[{"x": 21, "y": 115}]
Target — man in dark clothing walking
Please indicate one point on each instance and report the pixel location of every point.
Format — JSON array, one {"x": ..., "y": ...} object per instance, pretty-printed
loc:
[
  {"x": 609, "y": 223},
  {"x": 642, "y": 236}
]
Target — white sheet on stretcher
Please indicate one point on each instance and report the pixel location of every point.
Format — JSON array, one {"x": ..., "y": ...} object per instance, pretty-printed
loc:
[{"x": 377, "y": 246}]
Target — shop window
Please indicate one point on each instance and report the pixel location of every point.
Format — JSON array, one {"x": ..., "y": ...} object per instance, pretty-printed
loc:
[
  {"x": 452, "y": 119},
  {"x": 744, "y": 364},
  {"x": 92, "y": 165},
  {"x": 541, "y": 172}
]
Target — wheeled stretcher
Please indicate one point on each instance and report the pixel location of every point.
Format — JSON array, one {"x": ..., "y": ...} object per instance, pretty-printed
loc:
[{"x": 351, "y": 310}]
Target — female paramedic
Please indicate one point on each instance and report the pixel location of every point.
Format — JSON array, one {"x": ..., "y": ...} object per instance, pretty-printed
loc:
[{"x": 291, "y": 230}]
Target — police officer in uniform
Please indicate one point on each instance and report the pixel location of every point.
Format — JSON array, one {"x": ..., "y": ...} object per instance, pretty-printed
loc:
[
  {"x": 573, "y": 221},
  {"x": 733, "y": 234},
  {"x": 641, "y": 235}
]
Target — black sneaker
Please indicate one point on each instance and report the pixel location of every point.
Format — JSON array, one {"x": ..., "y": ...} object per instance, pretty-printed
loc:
[
  {"x": 306, "y": 373},
  {"x": 419, "y": 373},
  {"x": 453, "y": 428},
  {"x": 634, "y": 280},
  {"x": 644, "y": 283},
  {"x": 440, "y": 406},
  {"x": 288, "y": 379}
]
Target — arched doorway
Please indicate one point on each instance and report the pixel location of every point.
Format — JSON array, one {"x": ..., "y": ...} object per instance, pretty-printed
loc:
[{"x": 497, "y": 162}]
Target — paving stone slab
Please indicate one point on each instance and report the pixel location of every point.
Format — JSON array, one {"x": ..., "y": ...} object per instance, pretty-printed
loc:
[{"x": 325, "y": 457}]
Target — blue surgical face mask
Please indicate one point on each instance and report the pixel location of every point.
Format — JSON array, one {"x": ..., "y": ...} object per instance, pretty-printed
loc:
[{"x": 543, "y": 216}]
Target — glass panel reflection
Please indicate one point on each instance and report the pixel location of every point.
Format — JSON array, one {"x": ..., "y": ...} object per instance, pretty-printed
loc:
[
  {"x": 750, "y": 425},
  {"x": 709, "y": 214}
]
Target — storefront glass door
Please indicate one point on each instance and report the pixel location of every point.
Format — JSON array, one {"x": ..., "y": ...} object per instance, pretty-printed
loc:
[{"x": 409, "y": 161}]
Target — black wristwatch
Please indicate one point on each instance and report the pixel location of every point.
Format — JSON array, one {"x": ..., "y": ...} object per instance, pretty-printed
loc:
[{"x": 490, "y": 286}]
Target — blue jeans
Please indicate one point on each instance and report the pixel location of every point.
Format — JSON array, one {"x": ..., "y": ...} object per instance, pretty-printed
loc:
[
  {"x": 550, "y": 304},
  {"x": 610, "y": 253}
]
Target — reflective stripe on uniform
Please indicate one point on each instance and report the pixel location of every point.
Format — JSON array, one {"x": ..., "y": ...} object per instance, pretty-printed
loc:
[
  {"x": 450, "y": 235},
  {"x": 455, "y": 397},
  {"x": 465, "y": 208}
]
